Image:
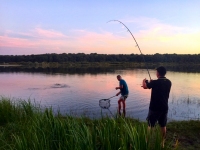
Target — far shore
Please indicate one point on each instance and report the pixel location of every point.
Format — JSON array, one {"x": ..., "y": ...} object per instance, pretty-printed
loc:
[
  {"x": 192, "y": 67},
  {"x": 8, "y": 65},
  {"x": 68, "y": 64}
]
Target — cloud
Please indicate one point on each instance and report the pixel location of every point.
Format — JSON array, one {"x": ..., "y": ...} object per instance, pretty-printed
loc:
[
  {"x": 48, "y": 33},
  {"x": 153, "y": 37},
  {"x": 33, "y": 39},
  {"x": 157, "y": 37},
  {"x": 6, "y": 41}
]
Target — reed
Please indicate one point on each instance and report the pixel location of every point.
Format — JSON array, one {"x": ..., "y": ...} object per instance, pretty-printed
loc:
[{"x": 25, "y": 126}]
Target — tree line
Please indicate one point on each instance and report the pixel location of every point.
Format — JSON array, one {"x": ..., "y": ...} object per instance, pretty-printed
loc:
[{"x": 94, "y": 57}]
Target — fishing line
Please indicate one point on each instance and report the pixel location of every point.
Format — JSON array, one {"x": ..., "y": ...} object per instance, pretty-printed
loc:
[{"x": 135, "y": 42}]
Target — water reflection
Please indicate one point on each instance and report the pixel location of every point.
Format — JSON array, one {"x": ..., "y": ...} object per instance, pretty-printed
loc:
[{"x": 77, "y": 91}]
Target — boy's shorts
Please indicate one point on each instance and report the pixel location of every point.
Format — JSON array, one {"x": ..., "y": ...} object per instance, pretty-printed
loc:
[
  {"x": 123, "y": 97},
  {"x": 154, "y": 116}
]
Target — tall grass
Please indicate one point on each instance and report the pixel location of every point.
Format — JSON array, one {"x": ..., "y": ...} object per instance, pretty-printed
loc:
[{"x": 23, "y": 126}]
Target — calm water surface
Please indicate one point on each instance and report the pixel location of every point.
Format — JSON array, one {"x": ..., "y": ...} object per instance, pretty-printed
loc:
[{"x": 79, "y": 93}]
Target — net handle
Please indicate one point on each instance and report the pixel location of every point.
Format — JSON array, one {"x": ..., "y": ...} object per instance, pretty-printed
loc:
[
  {"x": 112, "y": 97},
  {"x": 108, "y": 99}
]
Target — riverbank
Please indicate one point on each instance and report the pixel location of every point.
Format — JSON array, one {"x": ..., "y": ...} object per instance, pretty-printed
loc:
[
  {"x": 182, "y": 67},
  {"x": 186, "y": 133},
  {"x": 76, "y": 64},
  {"x": 25, "y": 125},
  {"x": 9, "y": 65}
]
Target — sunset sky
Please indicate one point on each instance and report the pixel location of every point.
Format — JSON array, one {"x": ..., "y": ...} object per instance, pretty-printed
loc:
[{"x": 80, "y": 26}]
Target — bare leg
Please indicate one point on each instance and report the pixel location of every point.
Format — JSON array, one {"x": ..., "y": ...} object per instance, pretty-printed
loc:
[
  {"x": 163, "y": 132},
  {"x": 124, "y": 107},
  {"x": 148, "y": 132},
  {"x": 119, "y": 106},
  {"x": 124, "y": 113}
]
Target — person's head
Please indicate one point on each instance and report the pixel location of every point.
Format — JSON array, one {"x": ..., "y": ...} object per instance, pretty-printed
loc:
[
  {"x": 119, "y": 77},
  {"x": 161, "y": 71}
]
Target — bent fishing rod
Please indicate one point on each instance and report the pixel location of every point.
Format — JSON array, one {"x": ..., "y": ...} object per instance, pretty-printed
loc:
[{"x": 135, "y": 42}]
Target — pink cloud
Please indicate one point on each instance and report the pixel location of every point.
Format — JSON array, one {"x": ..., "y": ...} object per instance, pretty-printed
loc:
[
  {"x": 48, "y": 33},
  {"x": 15, "y": 42},
  {"x": 156, "y": 38},
  {"x": 34, "y": 39}
]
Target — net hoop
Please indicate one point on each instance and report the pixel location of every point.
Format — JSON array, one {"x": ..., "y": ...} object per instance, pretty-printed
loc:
[{"x": 104, "y": 103}]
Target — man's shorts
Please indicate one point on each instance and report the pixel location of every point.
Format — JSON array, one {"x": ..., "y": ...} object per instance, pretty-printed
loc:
[
  {"x": 123, "y": 97},
  {"x": 154, "y": 116}
]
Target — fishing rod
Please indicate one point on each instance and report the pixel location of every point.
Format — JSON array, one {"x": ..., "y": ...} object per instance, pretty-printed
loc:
[{"x": 136, "y": 44}]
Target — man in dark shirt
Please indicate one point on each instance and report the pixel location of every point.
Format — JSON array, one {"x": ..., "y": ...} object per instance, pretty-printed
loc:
[
  {"x": 158, "y": 107},
  {"x": 124, "y": 94}
]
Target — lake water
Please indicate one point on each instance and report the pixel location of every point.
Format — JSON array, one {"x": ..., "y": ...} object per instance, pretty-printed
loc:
[{"x": 78, "y": 91}]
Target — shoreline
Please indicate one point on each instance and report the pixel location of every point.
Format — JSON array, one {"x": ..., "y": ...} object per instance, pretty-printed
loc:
[
  {"x": 97, "y": 64},
  {"x": 180, "y": 67},
  {"x": 30, "y": 118},
  {"x": 10, "y": 65}
]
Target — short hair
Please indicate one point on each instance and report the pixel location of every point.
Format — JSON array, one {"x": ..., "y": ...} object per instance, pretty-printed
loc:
[
  {"x": 161, "y": 70},
  {"x": 118, "y": 76}
]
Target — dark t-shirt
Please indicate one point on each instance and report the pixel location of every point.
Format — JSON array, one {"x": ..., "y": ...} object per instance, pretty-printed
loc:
[
  {"x": 124, "y": 90},
  {"x": 159, "y": 94}
]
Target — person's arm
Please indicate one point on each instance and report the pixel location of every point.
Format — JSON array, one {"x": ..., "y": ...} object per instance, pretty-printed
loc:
[
  {"x": 118, "y": 93},
  {"x": 119, "y": 87}
]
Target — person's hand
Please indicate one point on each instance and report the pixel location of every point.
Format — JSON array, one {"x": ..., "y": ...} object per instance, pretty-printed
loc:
[
  {"x": 144, "y": 84},
  {"x": 144, "y": 80}
]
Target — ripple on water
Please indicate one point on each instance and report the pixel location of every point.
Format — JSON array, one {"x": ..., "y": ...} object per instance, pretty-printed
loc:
[{"x": 57, "y": 85}]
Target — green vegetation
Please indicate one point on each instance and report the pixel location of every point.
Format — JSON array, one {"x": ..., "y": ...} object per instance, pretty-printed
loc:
[
  {"x": 177, "y": 62},
  {"x": 187, "y": 133},
  {"x": 94, "y": 57},
  {"x": 24, "y": 125}
]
